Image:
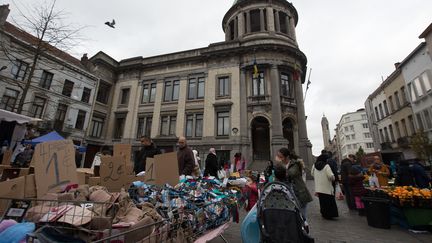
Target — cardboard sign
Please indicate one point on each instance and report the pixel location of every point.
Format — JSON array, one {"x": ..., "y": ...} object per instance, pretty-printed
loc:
[
  {"x": 113, "y": 173},
  {"x": 162, "y": 169},
  {"x": 11, "y": 189},
  {"x": 123, "y": 150},
  {"x": 94, "y": 181},
  {"x": 30, "y": 186},
  {"x": 55, "y": 167},
  {"x": 7, "y": 156}
]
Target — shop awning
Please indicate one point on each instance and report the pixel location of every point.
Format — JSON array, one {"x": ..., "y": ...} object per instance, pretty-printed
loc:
[{"x": 14, "y": 117}]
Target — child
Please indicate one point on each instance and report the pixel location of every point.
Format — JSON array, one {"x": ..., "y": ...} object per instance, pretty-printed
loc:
[
  {"x": 355, "y": 179},
  {"x": 251, "y": 192}
]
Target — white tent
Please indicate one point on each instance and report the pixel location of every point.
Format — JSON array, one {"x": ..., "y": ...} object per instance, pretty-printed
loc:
[{"x": 20, "y": 119}]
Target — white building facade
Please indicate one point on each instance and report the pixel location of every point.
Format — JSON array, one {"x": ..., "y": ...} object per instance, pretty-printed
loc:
[{"x": 353, "y": 132}]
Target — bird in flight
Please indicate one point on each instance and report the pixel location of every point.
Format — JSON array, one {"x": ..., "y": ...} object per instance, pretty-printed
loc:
[{"x": 111, "y": 24}]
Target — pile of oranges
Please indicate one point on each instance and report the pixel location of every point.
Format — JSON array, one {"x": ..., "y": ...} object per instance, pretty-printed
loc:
[{"x": 408, "y": 195}]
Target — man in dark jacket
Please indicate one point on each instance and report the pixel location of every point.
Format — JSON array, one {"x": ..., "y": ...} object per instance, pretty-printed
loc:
[
  {"x": 421, "y": 178},
  {"x": 148, "y": 150},
  {"x": 185, "y": 158},
  {"x": 211, "y": 164}
]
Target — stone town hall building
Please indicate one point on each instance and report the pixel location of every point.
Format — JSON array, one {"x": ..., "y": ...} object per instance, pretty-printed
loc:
[{"x": 211, "y": 95}]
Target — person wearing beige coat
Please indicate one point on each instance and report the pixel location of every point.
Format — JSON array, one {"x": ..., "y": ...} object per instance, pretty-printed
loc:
[{"x": 324, "y": 189}]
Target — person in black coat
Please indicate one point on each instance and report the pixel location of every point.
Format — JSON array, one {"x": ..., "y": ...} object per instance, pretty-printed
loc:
[
  {"x": 421, "y": 178},
  {"x": 211, "y": 164},
  {"x": 404, "y": 176},
  {"x": 148, "y": 150}
]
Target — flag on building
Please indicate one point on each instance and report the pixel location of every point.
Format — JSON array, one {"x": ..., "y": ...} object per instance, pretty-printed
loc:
[
  {"x": 296, "y": 73},
  {"x": 255, "y": 69}
]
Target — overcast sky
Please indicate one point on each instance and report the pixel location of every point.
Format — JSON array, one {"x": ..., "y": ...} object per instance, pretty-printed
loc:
[{"x": 350, "y": 45}]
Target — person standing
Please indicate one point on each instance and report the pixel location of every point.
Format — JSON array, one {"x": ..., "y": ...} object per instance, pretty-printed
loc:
[
  {"x": 294, "y": 177},
  {"x": 346, "y": 166},
  {"x": 404, "y": 175},
  {"x": 185, "y": 158},
  {"x": 380, "y": 170},
  {"x": 324, "y": 178},
  {"x": 148, "y": 150},
  {"x": 421, "y": 178},
  {"x": 211, "y": 164}
]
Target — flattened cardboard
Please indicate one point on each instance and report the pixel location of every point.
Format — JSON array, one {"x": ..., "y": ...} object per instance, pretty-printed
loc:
[
  {"x": 7, "y": 156},
  {"x": 85, "y": 170},
  {"x": 11, "y": 189},
  {"x": 2, "y": 167},
  {"x": 123, "y": 150},
  {"x": 10, "y": 173},
  {"x": 113, "y": 172},
  {"x": 55, "y": 167},
  {"x": 94, "y": 181},
  {"x": 30, "y": 186},
  {"x": 81, "y": 178},
  {"x": 166, "y": 169},
  {"x": 150, "y": 175}
]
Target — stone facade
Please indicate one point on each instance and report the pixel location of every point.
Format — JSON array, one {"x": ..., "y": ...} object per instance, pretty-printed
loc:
[{"x": 241, "y": 95}]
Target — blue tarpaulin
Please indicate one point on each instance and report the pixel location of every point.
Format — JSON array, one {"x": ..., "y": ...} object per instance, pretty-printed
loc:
[{"x": 52, "y": 136}]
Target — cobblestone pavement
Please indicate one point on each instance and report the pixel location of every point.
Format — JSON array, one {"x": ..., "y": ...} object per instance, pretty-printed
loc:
[{"x": 349, "y": 228}]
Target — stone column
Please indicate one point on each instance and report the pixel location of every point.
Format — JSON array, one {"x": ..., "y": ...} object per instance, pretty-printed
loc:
[
  {"x": 291, "y": 27},
  {"x": 277, "y": 139},
  {"x": 277, "y": 24},
  {"x": 244, "y": 128},
  {"x": 227, "y": 32},
  {"x": 270, "y": 20},
  {"x": 181, "y": 108},
  {"x": 305, "y": 146},
  {"x": 262, "y": 22},
  {"x": 241, "y": 25},
  {"x": 287, "y": 24},
  {"x": 248, "y": 22},
  {"x": 157, "y": 108}
]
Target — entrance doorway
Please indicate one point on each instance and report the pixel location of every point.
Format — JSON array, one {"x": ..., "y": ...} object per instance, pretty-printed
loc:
[
  {"x": 288, "y": 133},
  {"x": 261, "y": 138}
]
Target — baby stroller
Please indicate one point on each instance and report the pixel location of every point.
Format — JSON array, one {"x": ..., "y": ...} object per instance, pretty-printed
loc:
[{"x": 279, "y": 215}]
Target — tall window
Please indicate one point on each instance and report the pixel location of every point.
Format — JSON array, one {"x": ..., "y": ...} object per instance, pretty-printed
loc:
[
  {"x": 426, "y": 81},
  {"x": 412, "y": 92},
  {"x": 283, "y": 22},
  {"x": 149, "y": 93},
  {"x": 427, "y": 118},
  {"x": 411, "y": 124},
  {"x": 80, "y": 120},
  {"x": 46, "y": 80},
  {"x": 172, "y": 89},
  {"x": 369, "y": 145},
  {"x": 38, "y": 107},
  {"x": 376, "y": 114},
  {"x": 398, "y": 133},
  {"x": 223, "y": 86},
  {"x": 67, "y": 88},
  {"x": 60, "y": 117},
  {"x": 9, "y": 99},
  {"x": 404, "y": 127},
  {"x": 387, "y": 138},
  {"x": 144, "y": 126},
  {"x": 419, "y": 121},
  {"x": 124, "y": 96},
  {"x": 194, "y": 125},
  {"x": 103, "y": 92},
  {"x": 366, "y": 135},
  {"x": 403, "y": 95},
  {"x": 196, "y": 88},
  {"x": 392, "y": 109},
  {"x": 223, "y": 126},
  {"x": 385, "y": 108},
  {"x": 391, "y": 133},
  {"x": 381, "y": 111},
  {"x": 168, "y": 125},
  {"x": 120, "y": 119},
  {"x": 285, "y": 85},
  {"x": 258, "y": 84},
  {"x": 86, "y": 95},
  {"x": 255, "y": 22},
  {"x": 97, "y": 126},
  {"x": 418, "y": 87},
  {"x": 381, "y": 135},
  {"x": 396, "y": 96},
  {"x": 19, "y": 69}
]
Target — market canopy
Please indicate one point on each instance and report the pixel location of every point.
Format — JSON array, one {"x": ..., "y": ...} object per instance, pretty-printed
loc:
[
  {"x": 52, "y": 136},
  {"x": 14, "y": 117}
]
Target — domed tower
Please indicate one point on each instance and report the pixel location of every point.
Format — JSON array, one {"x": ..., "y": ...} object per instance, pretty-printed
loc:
[
  {"x": 272, "y": 72},
  {"x": 326, "y": 132}
]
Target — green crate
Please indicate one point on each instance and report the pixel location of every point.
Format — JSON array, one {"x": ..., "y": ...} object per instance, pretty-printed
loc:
[{"x": 418, "y": 216}]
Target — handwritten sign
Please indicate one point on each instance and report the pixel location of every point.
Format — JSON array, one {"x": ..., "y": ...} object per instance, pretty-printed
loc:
[
  {"x": 162, "y": 169},
  {"x": 113, "y": 173},
  {"x": 123, "y": 150},
  {"x": 14, "y": 188},
  {"x": 150, "y": 175},
  {"x": 55, "y": 167}
]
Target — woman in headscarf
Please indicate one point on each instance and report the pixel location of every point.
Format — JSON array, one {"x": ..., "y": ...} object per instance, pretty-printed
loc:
[
  {"x": 324, "y": 178},
  {"x": 211, "y": 164}
]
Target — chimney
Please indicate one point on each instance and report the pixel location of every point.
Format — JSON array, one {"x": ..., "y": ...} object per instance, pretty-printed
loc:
[
  {"x": 397, "y": 65},
  {"x": 84, "y": 60},
  {"x": 4, "y": 12}
]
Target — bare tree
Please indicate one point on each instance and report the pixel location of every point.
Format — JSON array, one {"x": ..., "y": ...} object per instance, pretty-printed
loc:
[{"x": 52, "y": 37}]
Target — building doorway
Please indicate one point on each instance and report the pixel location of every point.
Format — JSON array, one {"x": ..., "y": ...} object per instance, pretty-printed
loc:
[
  {"x": 261, "y": 138},
  {"x": 288, "y": 133}
]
